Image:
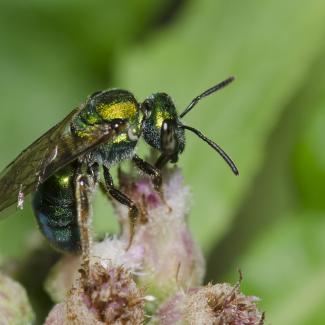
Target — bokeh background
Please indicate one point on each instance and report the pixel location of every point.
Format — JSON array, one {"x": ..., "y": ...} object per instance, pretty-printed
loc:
[{"x": 269, "y": 221}]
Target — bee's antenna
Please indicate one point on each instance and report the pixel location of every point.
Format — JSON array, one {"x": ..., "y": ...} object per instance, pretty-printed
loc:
[
  {"x": 208, "y": 92},
  {"x": 216, "y": 147}
]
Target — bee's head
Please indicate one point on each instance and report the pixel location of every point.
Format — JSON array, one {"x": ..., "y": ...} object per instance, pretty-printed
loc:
[
  {"x": 161, "y": 126},
  {"x": 163, "y": 129}
]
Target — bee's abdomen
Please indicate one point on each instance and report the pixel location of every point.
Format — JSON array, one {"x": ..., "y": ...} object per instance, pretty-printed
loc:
[{"x": 55, "y": 210}]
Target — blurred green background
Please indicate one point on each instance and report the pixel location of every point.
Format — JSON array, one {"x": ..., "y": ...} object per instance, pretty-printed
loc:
[{"x": 269, "y": 221}]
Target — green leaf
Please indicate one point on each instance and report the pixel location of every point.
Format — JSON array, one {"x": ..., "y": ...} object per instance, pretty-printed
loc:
[
  {"x": 278, "y": 242},
  {"x": 285, "y": 267}
]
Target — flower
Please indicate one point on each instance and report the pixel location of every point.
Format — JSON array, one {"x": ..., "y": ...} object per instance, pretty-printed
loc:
[
  {"x": 111, "y": 251},
  {"x": 171, "y": 259},
  {"x": 163, "y": 261},
  {"x": 220, "y": 304},
  {"x": 14, "y": 304},
  {"x": 108, "y": 295}
]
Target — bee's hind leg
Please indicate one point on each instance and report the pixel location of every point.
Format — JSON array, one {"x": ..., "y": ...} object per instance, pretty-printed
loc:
[
  {"x": 83, "y": 191},
  {"x": 123, "y": 199}
]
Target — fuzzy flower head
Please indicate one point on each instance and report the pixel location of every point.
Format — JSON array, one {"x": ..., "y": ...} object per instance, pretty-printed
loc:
[
  {"x": 108, "y": 295},
  {"x": 108, "y": 253},
  {"x": 220, "y": 304},
  {"x": 14, "y": 305},
  {"x": 172, "y": 259}
]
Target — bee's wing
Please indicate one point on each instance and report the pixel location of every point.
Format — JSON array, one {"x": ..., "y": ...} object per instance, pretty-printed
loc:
[{"x": 52, "y": 151}]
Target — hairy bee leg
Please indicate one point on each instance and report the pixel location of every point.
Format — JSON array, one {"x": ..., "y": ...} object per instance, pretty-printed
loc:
[
  {"x": 155, "y": 175},
  {"x": 150, "y": 170},
  {"x": 162, "y": 160},
  {"x": 123, "y": 199},
  {"x": 84, "y": 214}
]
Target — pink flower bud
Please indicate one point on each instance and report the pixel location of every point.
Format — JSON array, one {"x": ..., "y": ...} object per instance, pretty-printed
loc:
[
  {"x": 172, "y": 259},
  {"x": 14, "y": 305}
]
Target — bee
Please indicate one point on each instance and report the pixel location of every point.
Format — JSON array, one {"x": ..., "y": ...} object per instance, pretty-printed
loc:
[{"x": 62, "y": 167}]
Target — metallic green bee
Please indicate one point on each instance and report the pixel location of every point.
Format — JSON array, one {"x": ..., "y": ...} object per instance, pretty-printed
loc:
[{"x": 62, "y": 166}]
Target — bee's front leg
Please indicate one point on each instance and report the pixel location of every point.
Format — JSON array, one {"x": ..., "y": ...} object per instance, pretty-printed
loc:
[
  {"x": 155, "y": 175},
  {"x": 149, "y": 170}
]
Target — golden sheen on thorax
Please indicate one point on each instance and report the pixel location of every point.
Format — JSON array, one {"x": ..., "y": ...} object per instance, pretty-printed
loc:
[{"x": 122, "y": 110}]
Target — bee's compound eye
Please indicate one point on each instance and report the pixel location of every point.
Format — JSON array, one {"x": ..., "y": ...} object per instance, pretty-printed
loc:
[{"x": 168, "y": 139}]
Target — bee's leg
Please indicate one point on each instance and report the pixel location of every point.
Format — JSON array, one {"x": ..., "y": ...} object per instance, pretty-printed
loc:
[
  {"x": 155, "y": 175},
  {"x": 123, "y": 199},
  {"x": 83, "y": 189},
  {"x": 150, "y": 170},
  {"x": 162, "y": 160}
]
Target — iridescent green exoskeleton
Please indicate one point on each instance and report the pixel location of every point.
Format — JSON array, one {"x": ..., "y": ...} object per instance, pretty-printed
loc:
[{"x": 62, "y": 167}]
